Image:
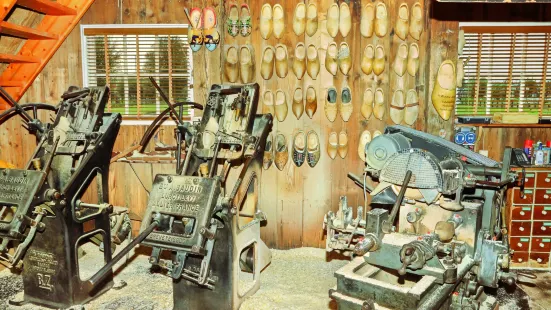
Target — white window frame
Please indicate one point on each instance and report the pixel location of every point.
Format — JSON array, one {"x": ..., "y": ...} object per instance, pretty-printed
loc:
[
  {"x": 506, "y": 24},
  {"x": 84, "y": 49}
]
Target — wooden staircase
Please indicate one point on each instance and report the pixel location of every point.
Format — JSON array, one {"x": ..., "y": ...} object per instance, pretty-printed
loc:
[{"x": 60, "y": 17}]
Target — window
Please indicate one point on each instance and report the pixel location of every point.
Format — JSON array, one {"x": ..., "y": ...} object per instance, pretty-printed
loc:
[
  {"x": 507, "y": 69},
  {"x": 125, "y": 56}
]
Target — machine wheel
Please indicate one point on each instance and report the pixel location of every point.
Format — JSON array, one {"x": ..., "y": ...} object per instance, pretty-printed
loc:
[
  {"x": 158, "y": 122},
  {"x": 29, "y": 107}
]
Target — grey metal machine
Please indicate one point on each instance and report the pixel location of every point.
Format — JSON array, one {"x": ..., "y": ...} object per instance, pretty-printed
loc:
[
  {"x": 435, "y": 237},
  {"x": 203, "y": 221},
  {"x": 44, "y": 217}
]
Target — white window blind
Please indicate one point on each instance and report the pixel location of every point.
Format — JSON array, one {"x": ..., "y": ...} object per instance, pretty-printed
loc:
[
  {"x": 507, "y": 69},
  {"x": 125, "y": 57}
]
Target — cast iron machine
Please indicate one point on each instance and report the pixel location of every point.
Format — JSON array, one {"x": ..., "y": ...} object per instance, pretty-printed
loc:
[
  {"x": 205, "y": 218},
  {"x": 442, "y": 242},
  {"x": 44, "y": 216}
]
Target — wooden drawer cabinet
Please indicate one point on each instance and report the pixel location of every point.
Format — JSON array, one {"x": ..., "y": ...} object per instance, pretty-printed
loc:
[
  {"x": 520, "y": 259},
  {"x": 528, "y": 197},
  {"x": 543, "y": 180},
  {"x": 539, "y": 260},
  {"x": 529, "y": 179},
  {"x": 530, "y": 220},
  {"x": 543, "y": 196},
  {"x": 520, "y": 244},
  {"x": 521, "y": 228},
  {"x": 541, "y": 244},
  {"x": 542, "y": 213},
  {"x": 541, "y": 228},
  {"x": 523, "y": 213}
]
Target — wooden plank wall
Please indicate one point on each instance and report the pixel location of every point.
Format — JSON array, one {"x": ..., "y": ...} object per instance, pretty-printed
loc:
[
  {"x": 442, "y": 46},
  {"x": 295, "y": 199},
  {"x": 298, "y": 198},
  {"x": 495, "y": 139}
]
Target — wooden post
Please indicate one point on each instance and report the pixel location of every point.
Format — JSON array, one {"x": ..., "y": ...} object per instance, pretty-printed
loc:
[{"x": 443, "y": 46}]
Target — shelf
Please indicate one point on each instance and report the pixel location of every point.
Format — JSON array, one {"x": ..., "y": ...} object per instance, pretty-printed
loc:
[{"x": 505, "y": 125}]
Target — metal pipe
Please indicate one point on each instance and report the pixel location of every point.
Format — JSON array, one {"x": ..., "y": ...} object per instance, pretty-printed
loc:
[
  {"x": 179, "y": 144},
  {"x": 102, "y": 273},
  {"x": 51, "y": 158},
  {"x": 36, "y": 150},
  {"x": 483, "y": 170},
  {"x": 178, "y": 151},
  {"x": 213, "y": 164},
  {"x": 360, "y": 182},
  {"x": 188, "y": 155},
  {"x": 494, "y": 184}
]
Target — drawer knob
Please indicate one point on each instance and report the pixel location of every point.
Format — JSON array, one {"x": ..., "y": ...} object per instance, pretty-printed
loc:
[
  {"x": 544, "y": 212},
  {"x": 522, "y": 228},
  {"x": 543, "y": 228},
  {"x": 542, "y": 245},
  {"x": 547, "y": 180},
  {"x": 539, "y": 260},
  {"x": 519, "y": 245},
  {"x": 545, "y": 196},
  {"x": 522, "y": 213},
  {"x": 520, "y": 260},
  {"x": 525, "y": 179}
]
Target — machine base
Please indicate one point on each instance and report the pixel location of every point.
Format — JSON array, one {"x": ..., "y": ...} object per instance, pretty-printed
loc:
[{"x": 362, "y": 286}]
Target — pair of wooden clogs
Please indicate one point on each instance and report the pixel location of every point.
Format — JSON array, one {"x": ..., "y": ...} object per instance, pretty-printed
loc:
[{"x": 203, "y": 29}]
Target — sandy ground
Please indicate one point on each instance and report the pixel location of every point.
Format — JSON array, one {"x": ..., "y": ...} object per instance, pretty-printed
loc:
[
  {"x": 539, "y": 293},
  {"x": 296, "y": 279}
]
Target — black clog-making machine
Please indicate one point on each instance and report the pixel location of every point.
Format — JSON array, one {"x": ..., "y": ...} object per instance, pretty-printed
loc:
[
  {"x": 205, "y": 216},
  {"x": 44, "y": 215}
]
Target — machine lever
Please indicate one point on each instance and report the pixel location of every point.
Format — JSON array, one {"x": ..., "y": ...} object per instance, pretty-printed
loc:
[
  {"x": 102, "y": 273},
  {"x": 407, "y": 260},
  {"x": 387, "y": 225}
]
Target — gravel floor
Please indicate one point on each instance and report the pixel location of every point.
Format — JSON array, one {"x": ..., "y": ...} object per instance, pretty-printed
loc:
[{"x": 296, "y": 279}]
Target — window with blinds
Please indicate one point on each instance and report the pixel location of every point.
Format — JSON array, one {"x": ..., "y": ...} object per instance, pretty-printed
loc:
[
  {"x": 124, "y": 58},
  {"x": 507, "y": 69}
]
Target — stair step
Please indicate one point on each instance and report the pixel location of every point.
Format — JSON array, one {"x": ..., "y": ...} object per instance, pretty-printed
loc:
[
  {"x": 7, "y": 58},
  {"x": 25, "y": 32},
  {"x": 61, "y": 16},
  {"x": 7, "y": 83},
  {"x": 46, "y": 7},
  {"x": 6, "y": 7}
]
